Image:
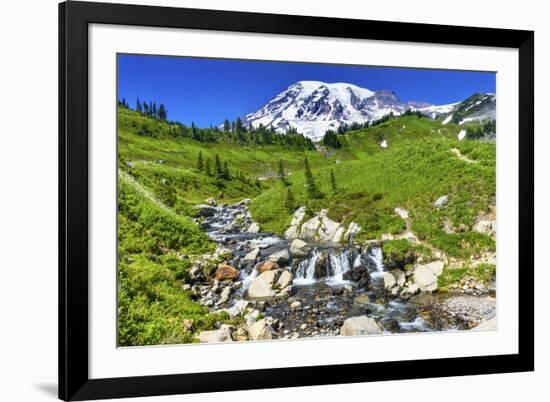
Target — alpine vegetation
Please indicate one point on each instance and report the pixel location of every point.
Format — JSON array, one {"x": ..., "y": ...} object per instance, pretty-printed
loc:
[{"x": 331, "y": 210}]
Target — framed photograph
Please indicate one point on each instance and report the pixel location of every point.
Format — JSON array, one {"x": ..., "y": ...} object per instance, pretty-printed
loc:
[{"x": 257, "y": 201}]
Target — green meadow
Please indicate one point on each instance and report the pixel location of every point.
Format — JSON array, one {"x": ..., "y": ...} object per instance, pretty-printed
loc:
[{"x": 163, "y": 174}]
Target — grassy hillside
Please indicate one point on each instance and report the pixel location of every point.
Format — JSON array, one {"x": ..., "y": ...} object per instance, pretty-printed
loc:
[
  {"x": 160, "y": 181},
  {"x": 415, "y": 169}
]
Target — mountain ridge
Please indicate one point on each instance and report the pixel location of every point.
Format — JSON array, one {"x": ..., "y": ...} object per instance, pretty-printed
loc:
[{"x": 313, "y": 107}]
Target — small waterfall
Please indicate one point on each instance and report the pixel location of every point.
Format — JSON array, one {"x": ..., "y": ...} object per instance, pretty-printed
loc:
[
  {"x": 357, "y": 262},
  {"x": 376, "y": 256},
  {"x": 305, "y": 274},
  {"x": 340, "y": 264}
]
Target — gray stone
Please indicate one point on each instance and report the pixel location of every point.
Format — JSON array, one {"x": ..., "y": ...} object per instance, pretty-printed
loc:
[
  {"x": 295, "y": 305},
  {"x": 284, "y": 280},
  {"x": 237, "y": 309},
  {"x": 224, "y": 296},
  {"x": 260, "y": 331},
  {"x": 441, "y": 201},
  {"x": 281, "y": 257},
  {"x": 389, "y": 280},
  {"x": 293, "y": 230},
  {"x": 403, "y": 213},
  {"x": 353, "y": 229},
  {"x": 250, "y": 259},
  {"x": 262, "y": 285},
  {"x": 253, "y": 228},
  {"x": 221, "y": 335},
  {"x": 425, "y": 276},
  {"x": 361, "y": 325},
  {"x": 299, "y": 248}
]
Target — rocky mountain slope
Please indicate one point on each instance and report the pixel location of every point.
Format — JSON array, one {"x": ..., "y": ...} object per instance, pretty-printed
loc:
[{"x": 313, "y": 107}]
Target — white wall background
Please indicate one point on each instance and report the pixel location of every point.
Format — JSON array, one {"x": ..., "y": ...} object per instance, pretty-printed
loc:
[{"x": 28, "y": 200}]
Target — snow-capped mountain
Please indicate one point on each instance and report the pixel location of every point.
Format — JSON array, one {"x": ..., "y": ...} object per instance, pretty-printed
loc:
[
  {"x": 313, "y": 107},
  {"x": 476, "y": 108}
]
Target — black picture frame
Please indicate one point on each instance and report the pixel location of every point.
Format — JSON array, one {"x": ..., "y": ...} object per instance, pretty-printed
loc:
[{"x": 74, "y": 18}]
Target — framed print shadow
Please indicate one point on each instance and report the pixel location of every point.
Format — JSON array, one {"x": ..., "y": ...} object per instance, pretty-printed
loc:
[{"x": 257, "y": 200}]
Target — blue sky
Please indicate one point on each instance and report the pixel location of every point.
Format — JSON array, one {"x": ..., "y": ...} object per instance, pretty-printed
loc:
[{"x": 207, "y": 91}]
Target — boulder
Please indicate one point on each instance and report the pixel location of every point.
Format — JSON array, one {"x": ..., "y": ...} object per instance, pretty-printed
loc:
[
  {"x": 250, "y": 259},
  {"x": 361, "y": 325},
  {"x": 399, "y": 277},
  {"x": 299, "y": 248},
  {"x": 353, "y": 229},
  {"x": 322, "y": 266},
  {"x": 309, "y": 229},
  {"x": 237, "y": 309},
  {"x": 261, "y": 286},
  {"x": 425, "y": 276},
  {"x": 240, "y": 335},
  {"x": 270, "y": 284},
  {"x": 253, "y": 228},
  {"x": 205, "y": 211},
  {"x": 224, "y": 295},
  {"x": 329, "y": 231},
  {"x": 221, "y": 335},
  {"x": 211, "y": 201},
  {"x": 260, "y": 331},
  {"x": 409, "y": 290},
  {"x": 252, "y": 317},
  {"x": 267, "y": 266},
  {"x": 487, "y": 227},
  {"x": 245, "y": 201},
  {"x": 359, "y": 275},
  {"x": 441, "y": 201},
  {"x": 226, "y": 272},
  {"x": 403, "y": 213},
  {"x": 281, "y": 257},
  {"x": 284, "y": 280},
  {"x": 293, "y": 230},
  {"x": 410, "y": 237},
  {"x": 389, "y": 280}
]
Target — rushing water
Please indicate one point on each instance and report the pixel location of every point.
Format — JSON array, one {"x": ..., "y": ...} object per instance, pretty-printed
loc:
[{"x": 318, "y": 279}]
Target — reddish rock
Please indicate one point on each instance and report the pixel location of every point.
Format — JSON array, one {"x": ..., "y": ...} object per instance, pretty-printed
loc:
[
  {"x": 267, "y": 266},
  {"x": 226, "y": 271}
]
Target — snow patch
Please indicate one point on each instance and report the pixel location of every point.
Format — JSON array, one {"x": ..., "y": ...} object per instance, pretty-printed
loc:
[
  {"x": 447, "y": 119},
  {"x": 461, "y": 135}
]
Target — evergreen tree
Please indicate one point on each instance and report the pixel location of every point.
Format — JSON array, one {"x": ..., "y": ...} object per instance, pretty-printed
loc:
[
  {"x": 311, "y": 186},
  {"x": 290, "y": 203},
  {"x": 258, "y": 183},
  {"x": 239, "y": 127},
  {"x": 333, "y": 182},
  {"x": 138, "y": 105},
  {"x": 281, "y": 174},
  {"x": 163, "y": 113},
  {"x": 155, "y": 113},
  {"x": 226, "y": 126},
  {"x": 207, "y": 168},
  {"x": 226, "y": 174},
  {"x": 218, "y": 171},
  {"x": 330, "y": 139},
  {"x": 200, "y": 164}
]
